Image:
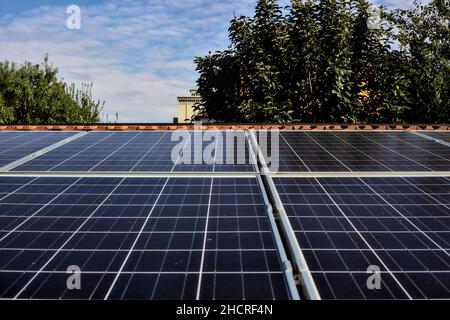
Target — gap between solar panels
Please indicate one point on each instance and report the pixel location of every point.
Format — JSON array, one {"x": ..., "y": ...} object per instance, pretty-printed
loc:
[{"x": 303, "y": 277}]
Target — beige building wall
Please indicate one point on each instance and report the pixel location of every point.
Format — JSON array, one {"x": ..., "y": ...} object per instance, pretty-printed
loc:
[{"x": 186, "y": 106}]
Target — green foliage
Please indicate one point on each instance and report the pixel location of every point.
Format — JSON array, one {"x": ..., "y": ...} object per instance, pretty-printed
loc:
[
  {"x": 32, "y": 94},
  {"x": 324, "y": 62},
  {"x": 219, "y": 85},
  {"x": 425, "y": 39}
]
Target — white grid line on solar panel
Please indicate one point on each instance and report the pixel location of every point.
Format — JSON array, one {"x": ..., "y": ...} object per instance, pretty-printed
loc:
[
  {"x": 146, "y": 154},
  {"x": 332, "y": 243},
  {"x": 117, "y": 150},
  {"x": 140, "y": 250},
  {"x": 337, "y": 285},
  {"x": 99, "y": 141},
  {"x": 269, "y": 232},
  {"x": 213, "y": 250},
  {"x": 363, "y": 249},
  {"x": 145, "y": 272},
  {"x": 382, "y": 272},
  {"x": 313, "y": 155},
  {"x": 161, "y": 261},
  {"x": 139, "y": 217},
  {"x": 205, "y": 237},
  {"x": 361, "y": 151},
  {"x": 435, "y": 227},
  {"x": 54, "y": 255},
  {"x": 88, "y": 151},
  {"x": 378, "y": 258},
  {"x": 336, "y": 259},
  {"x": 36, "y": 212},
  {"x": 364, "y": 243},
  {"x": 378, "y": 240},
  {"x": 90, "y": 137},
  {"x": 142, "y": 229},
  {"x": 65, "y": 224},
  {"x": 167, "y": 287},
  {"x": 407, "y": 219},
  {"x": 15, "y": 188}
]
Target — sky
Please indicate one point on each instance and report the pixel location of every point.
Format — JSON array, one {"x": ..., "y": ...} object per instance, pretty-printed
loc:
[{"x": 137, "y": 53}]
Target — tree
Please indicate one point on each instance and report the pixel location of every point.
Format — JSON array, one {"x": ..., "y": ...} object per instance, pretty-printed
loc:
[
  {"x": 32, "y": 94},
  {"x": 260, "y": 44},
  {"x": 6, "y": 114},
  {"x": 377, "y": 76},
  {"x": 219, "y": 87},
  {"x": 424, "y": 35},
  {"x": 302, "y": 60},
  {"x": 325, "y": 62}
]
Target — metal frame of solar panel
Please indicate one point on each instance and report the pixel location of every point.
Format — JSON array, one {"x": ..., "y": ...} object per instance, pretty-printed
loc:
[{"x": 349, "y": 202}]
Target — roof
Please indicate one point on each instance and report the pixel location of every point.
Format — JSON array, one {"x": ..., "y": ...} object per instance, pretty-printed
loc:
[{"x": 215, "y": 126}]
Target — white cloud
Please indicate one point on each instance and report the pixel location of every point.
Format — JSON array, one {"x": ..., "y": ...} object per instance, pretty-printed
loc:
[{"x": 138, "y": 54}]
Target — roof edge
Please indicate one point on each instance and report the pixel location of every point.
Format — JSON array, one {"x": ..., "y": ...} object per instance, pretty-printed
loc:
[{"x": 224, "y": 126}]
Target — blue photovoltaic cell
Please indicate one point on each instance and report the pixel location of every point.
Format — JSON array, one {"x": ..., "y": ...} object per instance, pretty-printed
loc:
[
  {"x": 146, "y": 152},
  {"x": 439, "y": 135},
  {"x": 303, "y": 151},
  {"x": 345, "y": 225},
  {"x": 137, "y": 238},
  {"x": 16, "y": 145}
]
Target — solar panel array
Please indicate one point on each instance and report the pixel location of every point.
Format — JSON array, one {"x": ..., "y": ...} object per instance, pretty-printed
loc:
[
  {"x": 360, "y": 152},
  {"x": 138, "y": 238},
  {"x": 145, "y": 152},
  {"x": 345, "y": 225},
  {"x": 15, "y": 145},
  {"x": 142, "y": 221}
]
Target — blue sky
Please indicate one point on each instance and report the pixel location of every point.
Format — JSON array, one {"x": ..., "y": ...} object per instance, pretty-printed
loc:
[{"x": 137, "y": 53}]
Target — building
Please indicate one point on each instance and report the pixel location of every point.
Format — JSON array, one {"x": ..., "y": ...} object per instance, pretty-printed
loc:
[{"x": 185, "y": 106}]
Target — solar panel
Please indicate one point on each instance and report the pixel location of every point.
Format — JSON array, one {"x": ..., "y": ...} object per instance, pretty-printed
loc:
[
  {"x": 399, "y": 225},
  {"x": 138, "y": 238},
  {"x": 443, "y": 136},
  {"x": 360, "y": 152},
  {"x": 16, "y": 145},
  {"x": 143, "y": 152}
]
